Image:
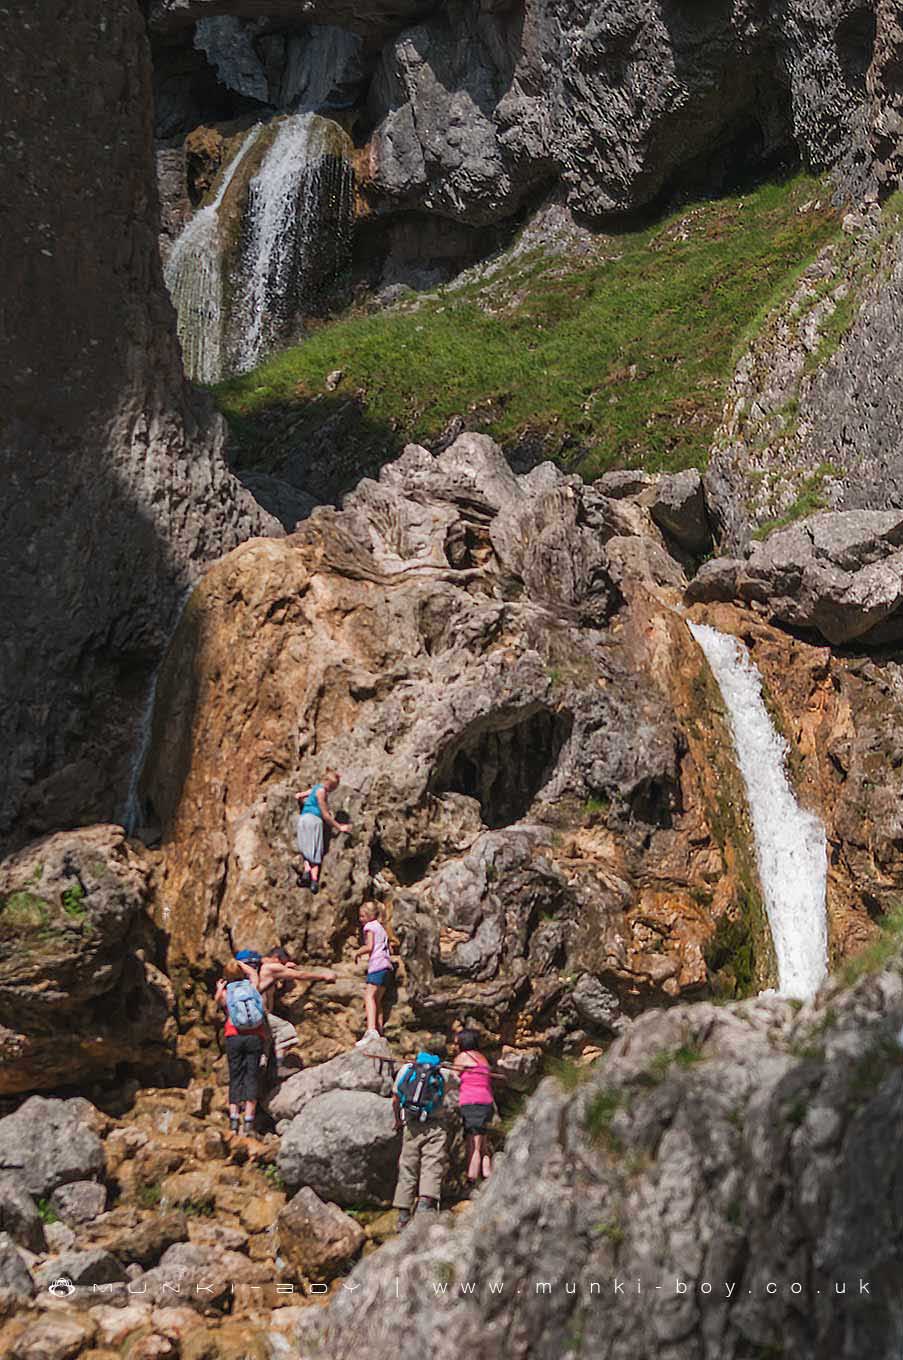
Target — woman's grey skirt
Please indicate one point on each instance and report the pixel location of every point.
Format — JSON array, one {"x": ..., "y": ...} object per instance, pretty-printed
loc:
[{"x": 310, "y": 837}]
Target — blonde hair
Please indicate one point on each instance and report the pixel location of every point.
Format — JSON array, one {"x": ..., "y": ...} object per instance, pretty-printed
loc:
[
  {"x": 332, "y": 777},
  {"x": 372, "y": 910},
  {"x": 233, "y": 971}
]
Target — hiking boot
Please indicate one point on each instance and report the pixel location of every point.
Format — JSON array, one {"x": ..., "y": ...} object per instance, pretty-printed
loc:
[
  {"x": 233, "y": 1123},
  {"x": 404, "y": 1218},
  {"x": 368, "y": 1038},
  {"x": 304, "y": 879},
  {"x": 249, "y": 1128},
  {"x": 425, "y": 1205},
  {"x": 315, "y": 885}
]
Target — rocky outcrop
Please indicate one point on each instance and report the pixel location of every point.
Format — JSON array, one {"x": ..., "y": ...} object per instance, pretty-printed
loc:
[
  {"x": 838, "y": 574},
  {"x": 79, "y": 987},
  {"x": 476, "y": 107},
  {"x": 813, "y": 417},
  {"x": 371, "y": 19},
  {"x": 722, "y": 1184},
  {"x": 115, "y": 492},
  {"x": 489, "y": 662}
]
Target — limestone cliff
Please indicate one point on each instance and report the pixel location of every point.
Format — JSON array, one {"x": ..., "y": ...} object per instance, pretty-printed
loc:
[{"x": 113, "y": 488}]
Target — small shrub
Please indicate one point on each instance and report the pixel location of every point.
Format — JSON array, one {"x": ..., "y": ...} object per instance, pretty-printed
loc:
[
  {"x": 273, "y": 1177},
  {"x": 45, "y": 1212},
  {"x": 74, "y": 902},
  {"x": 882, "y": 949},
  {"x": 600, "y": 1113},
  {"x": 687, "y": 1055},
  {"x": 612, "y": 1232},
  {"x": 148, "y": 1194}
]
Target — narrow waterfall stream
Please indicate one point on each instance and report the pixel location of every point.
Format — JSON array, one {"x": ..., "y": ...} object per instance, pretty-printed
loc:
[
  {"x": 194, "y": 277},
  {"x": 790, "y": 843}
]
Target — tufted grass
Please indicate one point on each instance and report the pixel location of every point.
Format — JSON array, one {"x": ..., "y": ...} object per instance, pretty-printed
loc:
[{"x": 621, "y": 359}]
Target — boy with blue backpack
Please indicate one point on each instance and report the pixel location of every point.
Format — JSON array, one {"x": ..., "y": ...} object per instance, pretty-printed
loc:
[
  {"x": 417, "y": 1105},
  {"x": 237, "y": 991}
]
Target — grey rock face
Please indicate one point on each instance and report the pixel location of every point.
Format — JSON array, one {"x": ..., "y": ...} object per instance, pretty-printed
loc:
[
  {"x": 839, "y": 573},
  {"x": 343, "y": 1145},
  {"x": 52, "y": 1142},
  {"x": 842, "y": 443},
  {"x": 77, "y": 994},
  {"x": 115, "y": 491},
  {"x": 475, "y": 110},
  {"x": 19, "y": 1217},
  {"x": 373, "y": 19},
  {"x": 79, "y": 1201},
  {"x": 348, "y": 1072},
  {"x": 15, "y": 1279},
  {"x": 753, "y": 1162}
]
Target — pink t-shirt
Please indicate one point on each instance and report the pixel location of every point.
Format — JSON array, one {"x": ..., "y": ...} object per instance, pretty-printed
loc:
[{"x": 380, "y": 957}]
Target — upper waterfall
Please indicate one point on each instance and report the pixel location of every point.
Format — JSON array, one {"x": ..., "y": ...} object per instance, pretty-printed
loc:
[
  {"x": 239, "y": 294},
  {"x": 194, "y": 277},
  {"x": 790, "y": 844}
]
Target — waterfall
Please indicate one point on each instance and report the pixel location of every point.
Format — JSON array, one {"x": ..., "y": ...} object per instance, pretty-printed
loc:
[
  {"x": 132, "y": 811},
  {"x": 194, "y": 277},
  {"x": 791, "y": 849},
  {"x": 299, "y": 213}
]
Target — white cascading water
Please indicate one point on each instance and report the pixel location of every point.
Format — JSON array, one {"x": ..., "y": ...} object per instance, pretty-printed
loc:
[
  {"x": 791, "y": 848},
  {"x": 194, "y": 277},
  {"x": 303, "y": 180}
]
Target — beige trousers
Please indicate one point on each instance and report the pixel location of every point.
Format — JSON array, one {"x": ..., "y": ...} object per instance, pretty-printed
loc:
[
  {"x": 421, "y": 1165},
  {"x": 284, "y": 1034}
]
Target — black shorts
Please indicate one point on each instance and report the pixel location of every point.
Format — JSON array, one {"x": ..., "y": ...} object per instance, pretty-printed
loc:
[
  {"x": 243, "y": 1052},
  {"x": 476, "y": 1117}
]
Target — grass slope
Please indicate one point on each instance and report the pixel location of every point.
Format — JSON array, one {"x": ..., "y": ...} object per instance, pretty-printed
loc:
[{"x": 620, "y": 358}]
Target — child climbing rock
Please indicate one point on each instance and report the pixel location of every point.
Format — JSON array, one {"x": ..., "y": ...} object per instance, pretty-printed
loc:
[
  {"x": 314, "y": 811},
  {"x": 379, "y": 970},
  {"x": 238, "y": 993},
  {"x": 476, "y": 1102}
]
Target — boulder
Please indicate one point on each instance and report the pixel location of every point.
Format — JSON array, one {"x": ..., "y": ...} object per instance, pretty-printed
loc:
[
  {"x": 55, "y": 1336},
  {"x": 839, "y": 574},
  {"x": 348, "y": 1072},
  {"x": 679, "y": 509},
  {"x": 145, "y": 1242},
  {"x": 15, "y": 1278},
  {"x": 77, "y": 993},
  {"x": 317, "y": 1241},
  {"x": 19, "y": 1217},
  {"x": 597, "y": 1005},
  {"x": 52, "y": 1143},
  {"x": 344, "y": 1146},
  {"x": 92, "y": 1266},
  {"x": 79, "y": 1201},
  {"x": 199, "y": 1277}
]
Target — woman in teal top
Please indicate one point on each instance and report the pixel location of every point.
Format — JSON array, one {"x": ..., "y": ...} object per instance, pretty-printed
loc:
[{"x": 314, "y": 811}]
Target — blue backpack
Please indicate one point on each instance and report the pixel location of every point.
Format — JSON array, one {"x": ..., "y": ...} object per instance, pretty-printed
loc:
[
  {"x": 245, "y": 1005},
  {"x": 421, "y": 1089}
]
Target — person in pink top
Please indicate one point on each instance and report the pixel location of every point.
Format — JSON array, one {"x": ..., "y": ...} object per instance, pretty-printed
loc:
[
  {"x": 379, "y": 970},
  {"x": 476, "y": 1102}
]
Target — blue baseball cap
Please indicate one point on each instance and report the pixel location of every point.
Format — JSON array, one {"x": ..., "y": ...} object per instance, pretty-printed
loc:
[{"x": 248, "y": 956}]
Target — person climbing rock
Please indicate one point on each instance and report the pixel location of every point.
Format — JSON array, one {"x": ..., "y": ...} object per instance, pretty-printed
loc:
[
  {"x": 314, "y": 811},
  {"x": 417, "y": 1104},
  {"x": 476, "y": 1102},
  {"x": 380, "y": 970},
  {"x": 237, "y": 991},
  {"x": 277, "y": 974}
]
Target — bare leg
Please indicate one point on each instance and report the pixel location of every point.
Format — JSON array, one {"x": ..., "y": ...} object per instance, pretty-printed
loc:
[
  {"x": 250, "y": 1109},
  {"x": 380, "y": 1021},
  {"x": 371, "y": 1004},
  {"x": 473, "y": 1156},
  {"x": 486, "y": 1164},
  {"x": 314, "y": 872},
  {"x": 233, "y": 1109}
]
